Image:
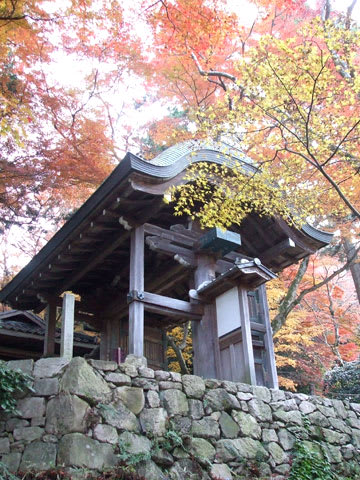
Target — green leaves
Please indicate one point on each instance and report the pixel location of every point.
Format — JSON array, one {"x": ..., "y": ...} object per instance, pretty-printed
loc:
[{"x": 11, "y": 382}]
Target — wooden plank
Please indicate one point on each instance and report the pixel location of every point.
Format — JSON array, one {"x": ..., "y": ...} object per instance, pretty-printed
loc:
[
  {"x": 101, "y": 252},
  {"x": 136, "y": 309},
  {"x": 50, "y": 329},
  {"x": 271, "y": 371},
  {"x": 205, "y": 338},
  {"x": 180, "y": 238},
  {"x": 165, "y": 246},
  {"x": 249, "y": 365},
  {"x": 67, "y": 326},
  {"x": 276, "y": 250},
  {"x": 180, "y": 306}
]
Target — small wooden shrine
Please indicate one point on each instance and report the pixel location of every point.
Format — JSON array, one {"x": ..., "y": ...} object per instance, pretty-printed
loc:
[{"x": 137, "y": 270}]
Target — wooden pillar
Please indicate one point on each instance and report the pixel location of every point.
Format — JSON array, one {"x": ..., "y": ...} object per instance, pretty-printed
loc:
[
  {"x": 205, "y": 337},
  {"x": 271, "y": 371},
  {"x": 50, "y": 329},
  {"x": 67, "y": 326},
  {"x": 136, "y": 308},
  {"x": 249, "y": 364},
  {"x": 104, "y": 340}
]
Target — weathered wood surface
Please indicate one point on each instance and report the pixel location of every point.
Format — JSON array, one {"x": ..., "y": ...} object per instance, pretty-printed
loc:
[
  {"x": 50, "y": 329},
  {"x": 136, "y": 283},
  {"x": 67, "y": 326},
  {"x": 271, "y": 371},
  {"x": 249, "y": 366}
]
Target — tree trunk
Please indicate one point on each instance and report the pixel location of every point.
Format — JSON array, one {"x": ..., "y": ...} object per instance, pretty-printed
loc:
[{"x": 354, "y": 266}]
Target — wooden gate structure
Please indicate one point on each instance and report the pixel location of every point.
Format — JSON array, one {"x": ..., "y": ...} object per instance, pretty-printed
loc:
[{"x": 137, "y": 270}]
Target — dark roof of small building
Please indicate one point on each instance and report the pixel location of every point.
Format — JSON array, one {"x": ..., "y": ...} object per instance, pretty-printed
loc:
[{"x": 29, "y": 322}]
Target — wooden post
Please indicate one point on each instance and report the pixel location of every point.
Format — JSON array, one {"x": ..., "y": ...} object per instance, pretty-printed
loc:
[
  {"x": 136, "y": 308},
  {"x": 271, "y": 371},
  {"x": 67, "y": 326},
  {"x": 205, "y": 337},
  {"x": 249, "y": 364},
  {"x": 50, "y": 329}
]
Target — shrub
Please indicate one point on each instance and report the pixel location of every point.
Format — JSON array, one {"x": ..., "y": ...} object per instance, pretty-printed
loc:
[{"x": 11, "y": 382}]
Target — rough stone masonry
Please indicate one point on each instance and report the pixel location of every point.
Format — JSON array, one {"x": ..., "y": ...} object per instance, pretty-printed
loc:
[{"x": 93, "y": 415}]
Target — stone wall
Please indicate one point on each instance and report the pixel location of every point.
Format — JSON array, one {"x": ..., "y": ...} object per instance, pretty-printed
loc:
[{"x": 91, "y": 415}]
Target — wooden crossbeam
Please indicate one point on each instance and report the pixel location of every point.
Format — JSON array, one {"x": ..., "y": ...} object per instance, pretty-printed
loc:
[
  {"x": 172, "y": 306},
  {"x": 277, "y": 249}
]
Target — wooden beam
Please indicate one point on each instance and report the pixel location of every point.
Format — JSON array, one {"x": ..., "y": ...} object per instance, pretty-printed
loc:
[
  {"x": 205, "y": 336},
  {"x": 50, "y": 329},
  {"x": 180, "y": 238},
  {"x": 276, "y": 250},
  {"x": 271, "y": 371},
  {"x": 67, "y": 326},
  {"x": 249, "y": 364},
  {"x": 101, "y": 252},
  {"x": 172, "y": 305},
  {"x": 163, "y": 245},
  {"x": 136, "y": 308}
]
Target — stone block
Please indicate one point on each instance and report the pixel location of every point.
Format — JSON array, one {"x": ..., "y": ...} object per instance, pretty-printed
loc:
[
  {"x": 229, "y": 450},
  {"x": 247, "y": 424},
  {"x": 105, "y": 433},
  {"x": 45, "y": 387},
  {"x": 80, "y": 451},
  {"x": 146, "y": 372},
  {"x": 243, "y": 396},
  {"x": 220, "y": 471},
  {"x": 277, "y": 454},
  {"x": 28, "y": 434},
  {"x": 230, "y": 387},
  {"x": 38, "y": 456},
  {"x": 194, "y": 386},
  {"x": 120, "y": 417},
  {"x": 118, "y": 378},
  {"x": 229, "y": 428},
  {"x": 207, "y": 427},
  {"x": 104, "y": 365},
  {"x": 260, "y": 410},
  {"x": 161, "y": 375},
  {"x": 170, "y": 386},
  {"x": 220, "y": 399},
  {"x": 277, "y": 395},
  {"x": 11, "y": 461},
  {"x": 162, "y": 457},
  {"x": 31, "y": 407},
  {"x": 307, "y": 407},
  {"x": 49, "y": 367},
  {"x": 134, "y": 444},
  {"x": 153, "y": 399},
  {"x": 175, "y": 402},
  {"x": 150, "y": 471},
  {"x": 38, "y": 422},
  {"x": 135, "y": 360},
  {"x": 196, "y": 409},
  {"x": 26, "y": 366},
  {"x": 146, "y": 383},
  {"x": 82, "y": 380},
  {"x": 289, "y": 417},
  {"x": 153, "y": 421},
  {"x": 4, "y": 445},
  {"x": 175, "y": 376},
  {"x": 132, "y": 397},
  {"x": 203, "y": 451},
  {"x": 269, "y": 435},
  {"x": 262, "y": 393},
  {"x": 15, "y": 423},
  {"x": 66, "y": 414},
  {"x": 286, "y": 439}
]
